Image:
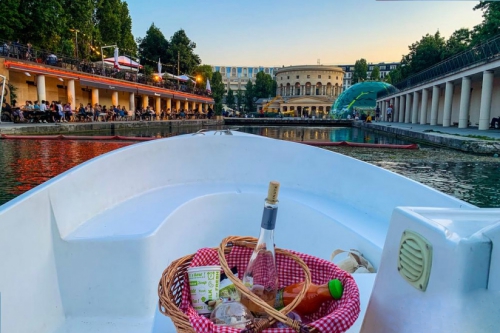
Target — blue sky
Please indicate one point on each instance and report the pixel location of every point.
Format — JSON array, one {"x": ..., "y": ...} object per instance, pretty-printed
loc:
[{"x": 293, "y": 32}]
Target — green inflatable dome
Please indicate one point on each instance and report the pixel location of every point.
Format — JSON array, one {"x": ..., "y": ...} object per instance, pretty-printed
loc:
[{"x": 361, "y": 96}]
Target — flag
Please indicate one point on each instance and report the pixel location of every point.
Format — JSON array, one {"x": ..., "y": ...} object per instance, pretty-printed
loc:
[
  {"x": 159, "y": 67},
  {"x": 208, "y": 86},
  {"x": 116, "y": 65}
]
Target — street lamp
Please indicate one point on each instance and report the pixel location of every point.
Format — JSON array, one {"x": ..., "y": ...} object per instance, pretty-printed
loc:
[
  {"x": 102, "y": 56},
  {"x": 76, "y": 31}
]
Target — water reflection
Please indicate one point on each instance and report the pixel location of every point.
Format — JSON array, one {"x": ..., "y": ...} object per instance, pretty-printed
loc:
[
  {"x": 26, "y": 163},
  {"x": 322, "y": 134}
]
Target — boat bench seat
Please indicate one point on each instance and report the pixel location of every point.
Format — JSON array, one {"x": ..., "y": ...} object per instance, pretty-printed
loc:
[{"x": 142, "y": 215}]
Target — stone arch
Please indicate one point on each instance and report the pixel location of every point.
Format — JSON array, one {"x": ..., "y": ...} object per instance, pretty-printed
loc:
[
  {"x": 282, "y": 91},
  {"x": 329, "y": 91},
  {"x": 297, "y": 88},
  {"x": 308, "y": 87},
  {"x": 288, "y": 91},
  {"x": 318, "y": 90}
]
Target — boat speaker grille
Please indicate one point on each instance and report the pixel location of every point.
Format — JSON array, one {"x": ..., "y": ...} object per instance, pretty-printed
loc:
[{"x": 415, "y": 259}]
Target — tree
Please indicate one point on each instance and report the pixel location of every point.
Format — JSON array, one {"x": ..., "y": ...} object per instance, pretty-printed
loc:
[
  {"x": 375, "y": 74},
  {"x": 490, "y": 26},
  {"x": 360, "y": 71},
  {"x": 423, "y": 54},
  {"x": 108, "y": 21},
  {"x": 230, "y": 98},
  {"x": 153, "y": 46},
  {"x": 80, "y": 16},
  {"x": 10, "y": 20},
  {"x": 127, "y": 41},
  {"x": 249, "y": 95},
  {"x": 44, "y": 23},
  {"x": 181, "y": 51},
  {"x": 274, "y": 88},
  {"x": 239, "y": 99},
  {"x": 217, "y": 92},
  {"x": 263, "y": 86},
  {"x": 459, "y": 41},
  {"x": 203, "y": 72}
]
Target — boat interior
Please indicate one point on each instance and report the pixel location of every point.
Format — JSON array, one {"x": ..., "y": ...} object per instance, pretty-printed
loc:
[{"x": 84, "y": 251}]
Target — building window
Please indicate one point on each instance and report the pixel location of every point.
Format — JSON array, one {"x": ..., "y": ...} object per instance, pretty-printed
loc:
[
  {"x": 370, "y": 68},
  {"x": 382, "y": 68},
  {"x": 282, "y": 78},
  {"x": 308, "y": 76},
  {"x": 337, "y": 78},
  {"x": 266, "y": 70},
  {"x": 329, "y": 77},
  {"x": 288, "y": 77},
  {"x": 351, "y": 68},
  {"x": 319, "y": 76},
  {"x": 297, "y": 77}
]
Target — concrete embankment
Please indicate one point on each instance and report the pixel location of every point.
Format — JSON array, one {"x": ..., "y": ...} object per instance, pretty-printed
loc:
[
  {"x": 64, "y": 128},
  {"x": 287, "y": 122},
  {"x": 469, "y": 140}
]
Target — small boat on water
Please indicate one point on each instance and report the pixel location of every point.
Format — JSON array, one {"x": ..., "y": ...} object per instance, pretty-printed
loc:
[{"x": 84, "y": 251}]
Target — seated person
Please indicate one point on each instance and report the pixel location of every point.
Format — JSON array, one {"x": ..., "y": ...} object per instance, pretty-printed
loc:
[
  {"x": 495, "y": 123},
  {"x": 368, "y": 118},
  {"x": 82, "y": 113},
  {"x": 182, "y": 114}
]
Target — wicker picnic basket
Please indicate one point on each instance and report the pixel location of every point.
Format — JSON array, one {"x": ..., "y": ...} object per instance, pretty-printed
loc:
[{"x": 292, "y": 267}]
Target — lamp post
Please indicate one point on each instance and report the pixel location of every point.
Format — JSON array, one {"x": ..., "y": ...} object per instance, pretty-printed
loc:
[
  {"x": 102, "y": 56},
  {"x": 76, "y": 31},
  {"x": 1, "y": 101}
]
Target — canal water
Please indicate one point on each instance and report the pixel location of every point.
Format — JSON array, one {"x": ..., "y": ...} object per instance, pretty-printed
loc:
[{"x": 475, "y": 179}]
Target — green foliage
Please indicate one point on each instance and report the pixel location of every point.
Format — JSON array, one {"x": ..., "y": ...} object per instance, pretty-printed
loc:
[
  {"x": 375, "y": 74},
  {"x": 126, "y": 41},
  {"x": 12, "y": 93},
  {"x": 44, "y": 23},
  {"x": 108, "y": 21},
  {"x": 490, "y": 26},
  {"x": 239, "y": 99},
  {"x": 52, "y": 24},
  {"x": 181, "y": 51},
  {"x": 217, "y": 92},
  {"x": 459, "y": 41},
  {"x": 153, "y": 46},
  {"x": 79, "y": 16},
  {"x": 263, "y": 86},
  {"x": 230, "y": 98},
  {"x": 274, "y": 88},
  {"x": 11, "y": 22},
  {"x": 360, "y": 71},
  {"x": 249, "y": 95},
  {"x": 204, "y": 72}
]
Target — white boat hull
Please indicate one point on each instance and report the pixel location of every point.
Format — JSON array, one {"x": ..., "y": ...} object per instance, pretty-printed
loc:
[{"x": 84, "y": 252}]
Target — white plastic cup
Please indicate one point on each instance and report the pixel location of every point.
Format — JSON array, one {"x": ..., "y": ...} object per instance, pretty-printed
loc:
[{"x": 204, "y": 286}]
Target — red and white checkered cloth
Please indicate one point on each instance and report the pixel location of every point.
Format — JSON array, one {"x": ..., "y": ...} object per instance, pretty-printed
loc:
[{"x": 333, "y": 316}]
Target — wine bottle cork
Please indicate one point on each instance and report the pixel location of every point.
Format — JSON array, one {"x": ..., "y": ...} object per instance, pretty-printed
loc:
[{"x": 272, "y": 192}]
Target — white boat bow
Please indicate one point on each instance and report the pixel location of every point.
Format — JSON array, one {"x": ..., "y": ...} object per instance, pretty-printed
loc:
[{"x": 84, "y": 251}]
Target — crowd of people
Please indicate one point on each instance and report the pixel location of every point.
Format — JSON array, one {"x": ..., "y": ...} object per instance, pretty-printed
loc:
[
  {"x": 57, "y": 112},
  {"x": 27, "y": 52}
]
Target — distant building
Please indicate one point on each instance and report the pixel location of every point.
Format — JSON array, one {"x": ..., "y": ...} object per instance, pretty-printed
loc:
[
  {"x": 236, "y": 77},
  {"x": 385, "y": 68}
]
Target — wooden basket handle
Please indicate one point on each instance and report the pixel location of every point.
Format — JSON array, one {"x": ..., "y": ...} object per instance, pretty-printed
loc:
[{"x": 276, "y": 315}]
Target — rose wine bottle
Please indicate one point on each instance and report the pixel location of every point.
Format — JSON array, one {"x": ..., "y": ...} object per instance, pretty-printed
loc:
[{"x": 261, "y": 275}]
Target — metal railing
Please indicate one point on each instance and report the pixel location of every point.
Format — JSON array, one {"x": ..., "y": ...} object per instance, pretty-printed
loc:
[
  {"x": 40, "y": 56},
  {"x": 481, "y": 53}
]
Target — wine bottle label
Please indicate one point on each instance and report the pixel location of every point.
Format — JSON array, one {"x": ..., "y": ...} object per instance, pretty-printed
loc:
[
  {"x": 269, "y": 218},
  {"x": 279, "y": 304}
]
